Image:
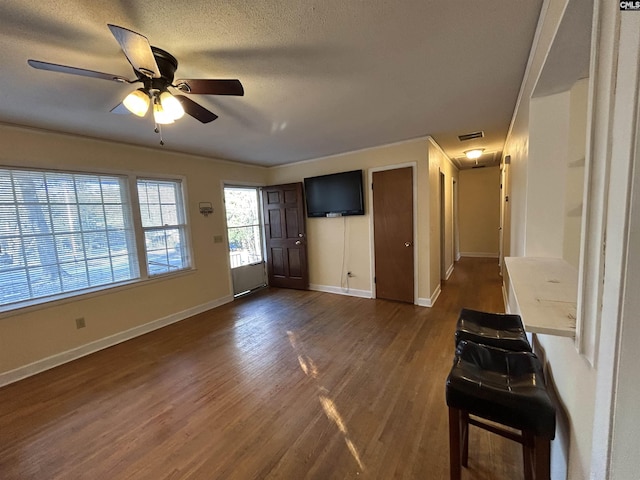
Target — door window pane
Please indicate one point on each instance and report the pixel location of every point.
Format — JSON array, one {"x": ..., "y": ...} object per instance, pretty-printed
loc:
[{"x": 243, "y": 226}]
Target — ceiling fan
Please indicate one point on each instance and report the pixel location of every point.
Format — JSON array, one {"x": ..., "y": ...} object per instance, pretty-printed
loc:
[{"x": 155, "y": 69}]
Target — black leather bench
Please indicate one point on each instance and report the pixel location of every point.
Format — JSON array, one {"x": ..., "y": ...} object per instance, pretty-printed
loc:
[
  {"x": 504, "y": 387},
  {"x": 495, "y": 329}
]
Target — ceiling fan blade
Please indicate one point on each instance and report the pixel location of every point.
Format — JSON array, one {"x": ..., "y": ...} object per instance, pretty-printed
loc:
[
  {"x": 211, "y": 87},
  {"x": 120, "y": 109},
  {"x": 137, "y": 50},
  {"x": 54, "y": 67},
  {"x": 196, "y": 110}
]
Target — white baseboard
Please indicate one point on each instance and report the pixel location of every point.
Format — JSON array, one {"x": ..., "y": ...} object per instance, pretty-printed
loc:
[
  {"x": 449, "y": 272},
  {"x": 430, "y": 302},
  {"x": 92, "y": 347},
  {"x": 352, "y": 292},
  {"x": 479, "y": 254},
  {"x": 458, "y": 256},
  {"x": 505, "y": 300}
]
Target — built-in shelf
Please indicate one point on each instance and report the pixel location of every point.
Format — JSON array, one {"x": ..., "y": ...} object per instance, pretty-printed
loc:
[{"x": 545, "y": 290}]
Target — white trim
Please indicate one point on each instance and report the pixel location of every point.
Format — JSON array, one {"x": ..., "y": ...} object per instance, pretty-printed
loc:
[
  {"x": 614, "y": 431},
  {"x": 64, "y": 357},
  {"x": 352, "y": 292},
  {"x": 534, "y": 46},
  {"x": 430, "y": 302},
  {"x": 597, "y": 172},
  {"x": 505, "y": 299},
  {"x": 414, "y": 174},
  {"x": 480, "y": 254},
  {"x": 449, "y": 271},
  {"x": 439, "y": 148}
]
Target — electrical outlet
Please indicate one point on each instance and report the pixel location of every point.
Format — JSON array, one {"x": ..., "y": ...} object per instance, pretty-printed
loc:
[{"x": 80, "y": 323}]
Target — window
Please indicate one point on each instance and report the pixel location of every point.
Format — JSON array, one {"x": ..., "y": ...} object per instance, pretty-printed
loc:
[
  {"x": 65, "y": 233},
  {"x": 164, "y": 225},
  {"x": 243, "y": 225}
]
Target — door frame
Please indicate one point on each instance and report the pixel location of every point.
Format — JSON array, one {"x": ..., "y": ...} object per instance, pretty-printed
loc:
[
  {"x": 414, "y": 179},
  {"x": 235, "y": 183}
]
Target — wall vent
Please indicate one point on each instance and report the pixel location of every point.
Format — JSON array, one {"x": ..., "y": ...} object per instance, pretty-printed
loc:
[{"x": 470, "y": 136}]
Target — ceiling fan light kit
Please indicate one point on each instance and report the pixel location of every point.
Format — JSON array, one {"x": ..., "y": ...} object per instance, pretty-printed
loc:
[
  {"x": 155, "y": 69},
  {"x": 137, "y": 102},
  {"x": 171, "y": 105},
  {"x": 160, "y": 115}
]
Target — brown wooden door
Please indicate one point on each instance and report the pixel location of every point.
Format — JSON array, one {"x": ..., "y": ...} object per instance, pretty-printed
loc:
[
  {"x": 285, "y": 236},
  {"x": 393, "y": 233}
]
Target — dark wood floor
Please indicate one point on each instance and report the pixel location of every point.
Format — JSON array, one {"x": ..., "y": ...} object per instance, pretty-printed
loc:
[{"x": 283, "y": 384}]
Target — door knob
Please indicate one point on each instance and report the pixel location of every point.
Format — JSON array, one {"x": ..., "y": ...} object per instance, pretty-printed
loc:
[
  {"x": 407, "y": 244},
  {"x": 298, "y": 242},
  {"x": 301, "y": 235}
]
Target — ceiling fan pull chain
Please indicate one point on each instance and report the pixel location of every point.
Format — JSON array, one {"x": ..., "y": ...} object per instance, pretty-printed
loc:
[{"x": 158, "y": 129}]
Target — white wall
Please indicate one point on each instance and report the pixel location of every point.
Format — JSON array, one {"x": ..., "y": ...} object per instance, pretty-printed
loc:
[
  {"x": 597, "y": 393},
  {"x": 546, "y": 175},
  {"x": 575, "y": 178},
  {"x": 537, "y": 201}
]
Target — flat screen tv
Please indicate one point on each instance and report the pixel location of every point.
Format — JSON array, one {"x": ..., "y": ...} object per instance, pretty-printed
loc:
[{"x": 335, "y": 195}]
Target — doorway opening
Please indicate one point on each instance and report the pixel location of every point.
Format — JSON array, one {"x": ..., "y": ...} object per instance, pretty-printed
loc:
[{"x": 244, "y": 234}]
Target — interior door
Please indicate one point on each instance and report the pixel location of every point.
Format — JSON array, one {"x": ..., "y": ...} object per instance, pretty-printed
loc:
[
  {"x": 393, "y": 234},
  {"x": 285, "y": 236}
]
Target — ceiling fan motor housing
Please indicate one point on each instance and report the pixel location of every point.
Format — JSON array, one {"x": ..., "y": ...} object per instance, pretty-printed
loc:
[{"x": 167, "y": 65}]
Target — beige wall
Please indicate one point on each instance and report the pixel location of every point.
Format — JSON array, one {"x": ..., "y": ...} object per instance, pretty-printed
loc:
[
  {"x": 442, "y": 257},
  {"x": 479, "y": 210},
  {"x": 38, "y": 337},
  {"x": 37, "y": 333},
  {"x": 338, "y": 245}
]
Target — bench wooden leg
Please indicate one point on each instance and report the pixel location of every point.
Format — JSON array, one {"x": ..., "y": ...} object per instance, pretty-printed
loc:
[
  {"x": 465, "y": 438},
  {"x": 527, "y": 455},
  {"x": 542, "y": 451}
]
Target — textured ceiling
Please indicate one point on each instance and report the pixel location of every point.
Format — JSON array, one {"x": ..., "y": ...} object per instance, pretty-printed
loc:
[{"x": 320, "y": 77}]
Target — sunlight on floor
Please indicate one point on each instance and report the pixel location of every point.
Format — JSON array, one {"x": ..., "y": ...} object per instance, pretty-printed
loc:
[{"x": 309, "y": 368}]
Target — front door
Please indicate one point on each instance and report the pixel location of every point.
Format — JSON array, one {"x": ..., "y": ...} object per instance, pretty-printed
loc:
[
  {"x": 393, "y": 234},
  {"x": 285, "y": 236}
]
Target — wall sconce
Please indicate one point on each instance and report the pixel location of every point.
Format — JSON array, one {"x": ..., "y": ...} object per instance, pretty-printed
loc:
[{"x": 205, "y": 208}]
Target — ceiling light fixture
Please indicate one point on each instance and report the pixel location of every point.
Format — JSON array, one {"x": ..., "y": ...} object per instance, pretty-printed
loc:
[
  {"x": 474, "y": 154},
  {"x": 137, "y": 102},
  {"x": 171, "y": 105},
  {"x": 160, "y": 115}
]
